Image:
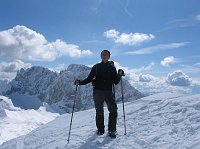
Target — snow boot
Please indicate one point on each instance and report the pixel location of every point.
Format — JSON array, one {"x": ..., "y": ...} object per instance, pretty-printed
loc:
[
  {"x": 112, "y": 134},
  {"x": 99, "y": 133}
]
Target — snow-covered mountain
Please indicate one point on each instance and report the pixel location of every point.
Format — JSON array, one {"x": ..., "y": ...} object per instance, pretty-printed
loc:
[
  {"x": 161, "y": 121},
  {"x": 3, "y": 86},
  {"x": 15, "y": 122},
  {"x": 28, "y": 85},
  {"x": 42, "y": 85},
  {"x": 33, "y": 80}
]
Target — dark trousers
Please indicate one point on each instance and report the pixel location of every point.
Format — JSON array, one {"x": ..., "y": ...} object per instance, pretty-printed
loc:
[{"x": 99, "y": 98}]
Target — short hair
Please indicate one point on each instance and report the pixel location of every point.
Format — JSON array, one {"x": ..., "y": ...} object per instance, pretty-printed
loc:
[{"x": 105, "y": 51}]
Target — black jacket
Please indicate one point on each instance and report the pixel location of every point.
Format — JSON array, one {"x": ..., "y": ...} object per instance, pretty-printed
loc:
[{"x": 102, "y": 75}]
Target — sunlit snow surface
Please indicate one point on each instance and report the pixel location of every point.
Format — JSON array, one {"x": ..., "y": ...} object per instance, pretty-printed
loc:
[
  {"x": 15, "y": 122},
  {"x": 161, "y": 121}
]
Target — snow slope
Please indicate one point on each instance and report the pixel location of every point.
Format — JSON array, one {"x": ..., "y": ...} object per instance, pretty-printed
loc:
[
  {"x": 161, "y": 121},
  {"x": 15, "y": 122}
]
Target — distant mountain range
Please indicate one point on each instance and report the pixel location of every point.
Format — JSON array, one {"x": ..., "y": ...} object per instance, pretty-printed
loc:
[{"x": 36, "y": 85}]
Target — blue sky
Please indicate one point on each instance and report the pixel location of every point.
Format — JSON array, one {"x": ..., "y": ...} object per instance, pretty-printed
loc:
[{"x": 154, "y": 37}]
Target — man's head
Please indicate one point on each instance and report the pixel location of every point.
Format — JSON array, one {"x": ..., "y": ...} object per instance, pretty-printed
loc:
[{"x": 105, "y": 55}]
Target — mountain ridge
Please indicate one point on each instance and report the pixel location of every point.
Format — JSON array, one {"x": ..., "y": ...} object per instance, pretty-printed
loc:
[{"x": 58, "y": 89}]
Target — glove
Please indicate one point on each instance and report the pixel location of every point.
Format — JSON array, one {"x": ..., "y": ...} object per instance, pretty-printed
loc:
[
  {"x": 77, "y": 82},
  {"x": 121, "y": 72},
  {"x": 111, "y": 63}
]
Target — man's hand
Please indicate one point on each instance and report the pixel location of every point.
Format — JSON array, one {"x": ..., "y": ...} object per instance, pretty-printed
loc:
[
  {"x": 77, "y": 82},
  {"x": 121, "y": 72}
]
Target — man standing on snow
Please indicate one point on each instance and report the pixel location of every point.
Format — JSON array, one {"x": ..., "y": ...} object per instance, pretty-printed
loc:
[{"x": 102, "y": 76}]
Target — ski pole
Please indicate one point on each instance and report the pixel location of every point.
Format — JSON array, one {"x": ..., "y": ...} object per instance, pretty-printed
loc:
[
  {"x": 114, "y": 91},
  {"x": 123, "y": 107},
  {"x": 72, "y": 113}
]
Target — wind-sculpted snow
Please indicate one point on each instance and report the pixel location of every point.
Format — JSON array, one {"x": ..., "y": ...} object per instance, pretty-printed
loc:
[
  {"x": 15, "y": 122},
  {"x": 161, "y": 121},
  {"x": 58, "y": 90}
]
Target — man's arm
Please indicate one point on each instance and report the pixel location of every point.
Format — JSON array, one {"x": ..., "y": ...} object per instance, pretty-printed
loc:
[
  {"x": 116, "y": 77},
  {"x": 90, "y": 76}
]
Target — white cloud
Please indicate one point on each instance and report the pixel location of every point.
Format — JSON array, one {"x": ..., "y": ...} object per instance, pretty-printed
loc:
[
  {"x": 191, "y": 69},
  {"x": 178, "y": 78},
  {"x": 8, "y": 70},
  {"x": 182, "y": 23},
  {"x": 69, "y": 49},
  {"x": 146, "y": 78},
  {"x": 137, "y": 74},
  {"x": 136, "y": 70},
  {"x": 149, "y": 84},
  {"x": 160, "y": 86},
  {"x": 25, "y": 44},
  {"x": 167, "y": 61},
  {"x": 59, "y": 67},
  {"x": 145, "y": 68},
  {"x": 150, "y": 50},
  {"x": 7, "y": 76},
  {"x": 128, "y": 39},
  {"x": 13, "y": 66},
  {"x": 113, "y": 34}
]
